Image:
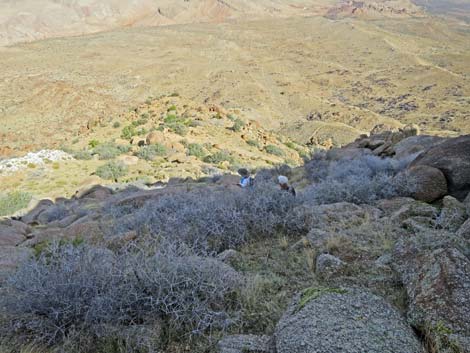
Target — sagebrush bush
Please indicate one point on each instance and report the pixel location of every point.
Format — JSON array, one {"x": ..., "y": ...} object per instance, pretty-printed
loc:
[
  {"x": 13, "y": 201},
  {"x": 238, "y": 125},
  {"x": 112, "y": 170},
  {"x": 196, "y": 150},
  {"x": 151, "y": 151},
  {"x": 128, "y": 132},
  {"x": 107, "y": 150},
  {"x": 211, "y": 221},
  {"x": 84, "y": 155},
  {"x": 274, "y": 150},
  {"x": 85, "y": 294},
  {"x": 361, "y": 180},
  {"x": 219, "y": 157}
]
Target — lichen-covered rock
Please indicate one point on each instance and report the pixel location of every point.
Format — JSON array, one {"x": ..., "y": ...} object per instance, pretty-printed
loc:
[
  {"x": 452, "y": 157},
  {"x": 453, "y": 214},
  {"x": 429, "y": 183},
  {"x": 246, "y": 344},
  {"x": 435, "y": 271},
  {"x": 328, "y": 320},
  {"x": 464, "y": 230},
  {"x": 416, "y": 209},
  {"x": 328, "y": 265}
]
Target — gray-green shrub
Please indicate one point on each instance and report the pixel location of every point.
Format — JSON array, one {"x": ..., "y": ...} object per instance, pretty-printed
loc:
[
  {"x": 112, "y": 170},
  {"x": 13, "y": 201},
  {"x": 151, "y": 151}
]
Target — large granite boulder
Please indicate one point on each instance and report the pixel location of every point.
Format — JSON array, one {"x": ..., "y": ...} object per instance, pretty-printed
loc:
[
  {"x": 328, "y": 320},
  {"x": 452, "y": 157},
  {"x": 428, "y": 183},
  {"x": 435, "y": 270}
]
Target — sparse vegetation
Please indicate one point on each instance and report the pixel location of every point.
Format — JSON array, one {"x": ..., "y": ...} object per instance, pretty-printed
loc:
[
  {"x": 112, "y": 170},
  {"x": 107, "y": 150},
  {"x": 274, "y": 150},
  {"x": 150, "y": 152},
  {"x": 238, "y": 125},
  {"x": 13, "y": 201},
  {"x": 128, "y": 132},
  {"x": 219, "y": 157},
  {"x": 253, "y": 143},
  {"x": 93, "y": 143},
  {"x": 83, "y": 155},
  {"x": 116, "y": 125},
  {"x": 196, "y": 150}
]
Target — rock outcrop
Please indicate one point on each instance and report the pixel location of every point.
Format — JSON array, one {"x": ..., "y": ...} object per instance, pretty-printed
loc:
[
  {"x": 452, "y": 157},
  {"x": 326, "y": 320},
  {"x": 435, "y": 270}
]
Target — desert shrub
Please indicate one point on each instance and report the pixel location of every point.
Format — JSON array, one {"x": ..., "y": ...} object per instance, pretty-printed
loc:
[
  {"x": 195, "y": 149},
  {"x": 83, "y": 155},
  {"x": 274, "y": 150},
  {"x": 150, "y": 152},
  {"x": 172, "y": 108},
  {"x": 178, "y": 128},
  {"x": 84, "y": 295},
  {"x": 128, "y": 131},
  {"x": 212, "y": 221},
  {"x": 360, "y": 180},
  {"x": 142, "y": 121},
  {"x": 13, "y": 201},
  {"x": 116, "y": 124},
  {"x": 238, "y": 125},
  {"x": 219, "y": 157},
  {"x": 253, "y": 143},
  {"x": 171, "y": 118},
  {"x": 93, "y": 143},
  {"x": 111, "y": 170},
  {"x": 107, "y": 151}
]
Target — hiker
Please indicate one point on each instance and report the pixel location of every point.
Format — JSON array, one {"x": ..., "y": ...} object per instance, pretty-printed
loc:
[
  {"x": 246, "y": 180},
  {"x": 284, "y": 184}
]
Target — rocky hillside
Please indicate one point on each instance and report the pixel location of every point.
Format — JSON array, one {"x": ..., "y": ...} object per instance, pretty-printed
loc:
[
  {"x": 163, "y": 138},
  {"x": 371, "y": 255}
]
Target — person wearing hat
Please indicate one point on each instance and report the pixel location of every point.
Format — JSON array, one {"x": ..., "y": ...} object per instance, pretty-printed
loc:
[
  {"x": 284, "y": 184},
  {"x": 246, "y": 180}
]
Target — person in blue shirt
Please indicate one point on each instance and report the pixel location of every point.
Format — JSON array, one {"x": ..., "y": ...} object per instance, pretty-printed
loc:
[{"x": 246, "y": 180}]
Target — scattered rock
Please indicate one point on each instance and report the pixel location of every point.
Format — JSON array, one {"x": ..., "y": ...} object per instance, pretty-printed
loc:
[
  {"x": 390, "y": 206},
  {"x": 155, "y": 137},
  {"x": 128, "y": 160},
  {"x": 246, "y": 344},
  {"x": 10, "y": 236},
  {"x": 31, "y": 216},
  {"x": 97, "y": 192},
  {"x": 326, "y": 320},
  {"x": 452, "y": 157},
  {"x": 429, "y": 183}
]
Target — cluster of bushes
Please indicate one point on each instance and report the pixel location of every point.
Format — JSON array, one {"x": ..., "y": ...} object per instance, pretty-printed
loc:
[
  {"x": 112, "y": 170},
  {"x": 364, "y": 179},
  {"x": 151, "y": 151},
  {"x": 274, "y": 150},
  {"x": 238, "y": 125},
  {"x": 13, "y": 201},
  {"x": 196, "y": 150},
  {"x": 219, "y": 157},
  {"x": 211, "y": 221},
  {"x": 84, "y": 297}
]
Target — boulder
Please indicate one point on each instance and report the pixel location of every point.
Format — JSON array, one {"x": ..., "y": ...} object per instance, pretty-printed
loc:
[
  {"x": 416, "y": 209},
  {"x": 452, "y": 157},
  {"x": 466, "y": 202},
  {"x": 336, "y": 154},
  {"x": 390, "y": 206},
  {"x": 415, "y": 144},
  {"x": 327, "y": 320},
  {"x": 436, "y": 275},
  {"x": 9, "y": 236},
  {"x": 328, "y": 265},
  {"x": 429, "y": 183},
  {"x": 155, "y": 137},
  {"x": 464, "y": 230},
  {"x": 11, "y": 257},
  {"x": 245, "y": 344},
  {"x": 31, "y": 216},
  {"x": 453, "y": 214},
  {"x": 96, "y": 192}
]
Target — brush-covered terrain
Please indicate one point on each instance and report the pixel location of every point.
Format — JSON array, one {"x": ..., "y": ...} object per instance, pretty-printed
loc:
[
  {"x": 122, "y": 225},
  {"x": 371, "y": 255}
]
